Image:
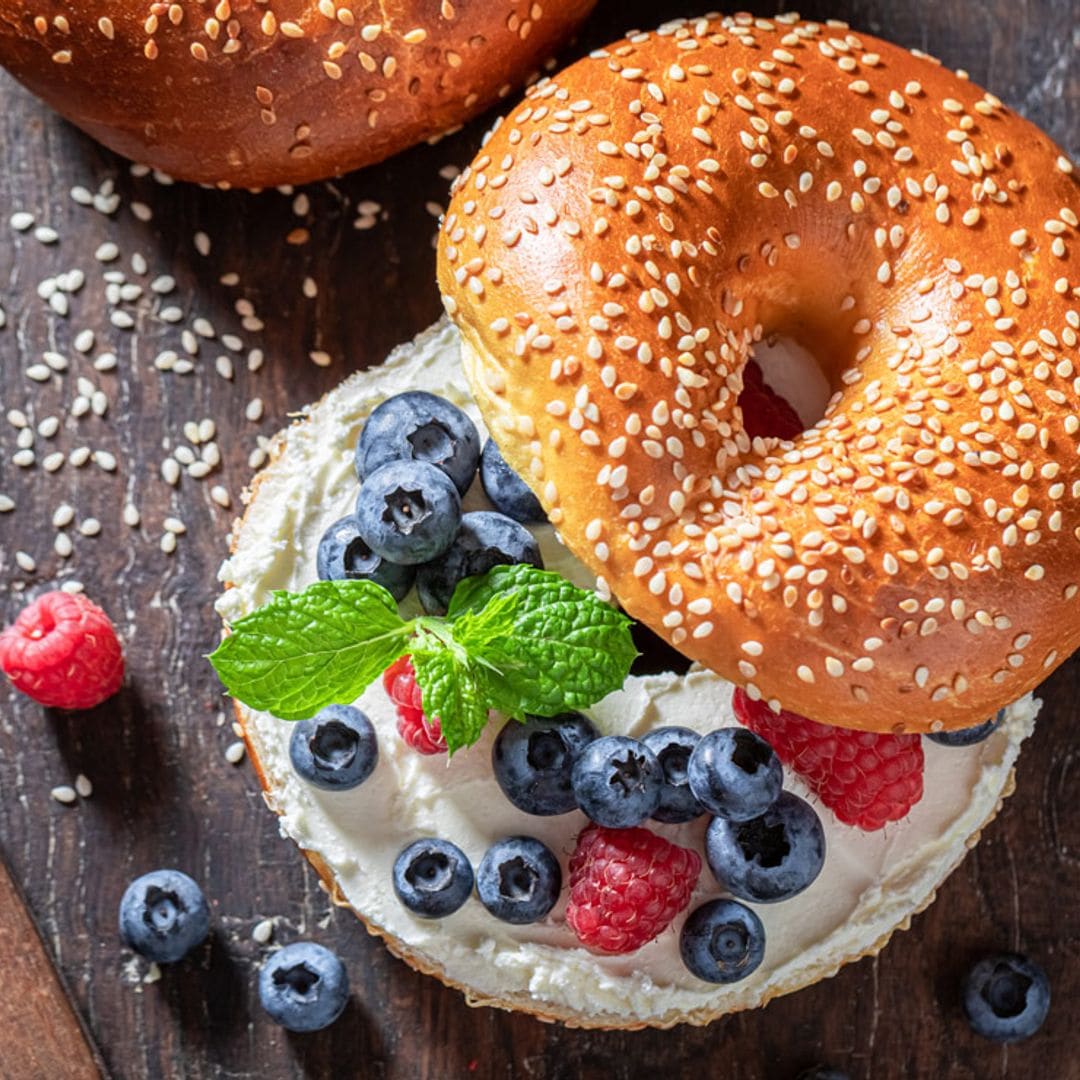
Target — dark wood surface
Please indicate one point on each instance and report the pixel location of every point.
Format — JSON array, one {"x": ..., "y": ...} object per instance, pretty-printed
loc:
[{"x": 164, "y": 795}]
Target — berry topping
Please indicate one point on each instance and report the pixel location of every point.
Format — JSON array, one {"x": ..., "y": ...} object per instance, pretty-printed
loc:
[
  {"x": 163, "y": 916},
  {"x": 343, "y": 556},
  {"x": 335, "y": 750},
  {"x": 673, "y": 747},
  {"x": 485, "y": 539},
  {"x": 771, "y": 858},
  {"x": 423, "y": 735},
  {"x": 734, "y": 773},
  {"x": 62, "y": 651},
  {"x": 533, "y": 761},
  {"x": 617, "y": 781},
  {"x": 304, "y": 987},
  {"x": 422, "y": 427},
  {"x": 722, "y": 941},
  {"x": 509, "y": 494},
  {"x": 432, "y": 878},
  {"x": 1006, "y": 997},
  {"x": 518, "y": 880},
  {"x": 865, "y": 778},
  {"x": 764, "y": 411},
  {"x": 626, "y": 886},
  {"x": 971, "y": 735},
  {"x": 408, "y": 512}
]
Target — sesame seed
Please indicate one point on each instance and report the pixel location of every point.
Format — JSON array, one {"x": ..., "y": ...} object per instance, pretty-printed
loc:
[
  {"x": 234, "y": 753},
  {"x": 64, "y": 793}
]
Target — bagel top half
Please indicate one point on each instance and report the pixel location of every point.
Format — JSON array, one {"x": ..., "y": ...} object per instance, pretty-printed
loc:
[{"x": 912, "y": 561}]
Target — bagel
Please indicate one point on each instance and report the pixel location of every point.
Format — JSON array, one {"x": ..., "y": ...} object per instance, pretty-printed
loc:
[
  {"x": 872, "y": 884},
  {"x": 911, "y": 562},
  {"x": 254, "y": 93}
]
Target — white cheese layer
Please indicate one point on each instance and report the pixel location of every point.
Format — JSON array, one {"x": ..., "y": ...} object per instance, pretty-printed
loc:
[{"x": 871, "y": 882}]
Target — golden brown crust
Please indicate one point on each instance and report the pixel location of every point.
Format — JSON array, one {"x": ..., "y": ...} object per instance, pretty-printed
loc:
[
  {"x": 546, "y": 1011},
  {"x": 911, "y": 562},
  {"x": 254, "y": 93}
]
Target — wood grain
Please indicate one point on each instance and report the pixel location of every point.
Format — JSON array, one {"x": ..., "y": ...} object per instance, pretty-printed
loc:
[
  {"x": 40, "y": 1032},
  {"x": 164, "y": 794}
]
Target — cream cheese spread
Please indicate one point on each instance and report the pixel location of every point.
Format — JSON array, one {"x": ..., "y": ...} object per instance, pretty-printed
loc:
[{"x": 871, "y": 882}]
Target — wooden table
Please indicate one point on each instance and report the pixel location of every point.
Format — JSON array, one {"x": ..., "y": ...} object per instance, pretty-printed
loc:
[{"x": 164, "y": 793}]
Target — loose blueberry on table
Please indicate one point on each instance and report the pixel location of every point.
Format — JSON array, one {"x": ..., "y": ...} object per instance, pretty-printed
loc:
[
  {"x": 336, "y": 750},
  {"x": 408, "y": 512},
  {"x": 533, "y": 761},
  {"x": 164, "y": 915},
  {"x": 769, "y": 858},
  {"x": 422, "y": 427},
  {"x": 509, "y": 494},
  {"x": 484, "y": 539},
  {"x": 1006, "y": 997},
  {"x": 617, "y": 781},
  {"x": 432, "y": 878},
  {"x": 344, "y": 556},
  {"x": 518, "y": 880},
  {"x": 303, "y": 987}
]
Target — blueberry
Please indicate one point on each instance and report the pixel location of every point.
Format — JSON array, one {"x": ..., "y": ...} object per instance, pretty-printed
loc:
[
  {"x": 518, "y": 880},
  {"x": 617, "y": 781},
  {"x": 735, "y": 773},
  {"x": 773, "y": 857},
  {"x": 1006, "y": 997},
  {"x": 343, "y": 556},
  {"x": 508, "y": 493},
  {"x": 486, "y": 539},
  {"x": 971, "y": 735},
  {"x": 673, "y": 747},
  {"x": 722, "y": 941},
  {"x": 304, "y": 987},
  {"x": 418, "y": 426},
  {"x": 408, "y": 512},
  {"x": 335, "y": 750},
  {"x": 163, "y": 916},
  {"x": 432, "y": 878},
  {"x": 533, "y": 761}
]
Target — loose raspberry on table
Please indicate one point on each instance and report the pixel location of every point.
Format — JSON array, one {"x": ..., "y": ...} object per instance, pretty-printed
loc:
[
  {"x": 423, "y": 735},
  {"x": 626, "y": 886},
  {"x": 865, "y": 778},
  {"x": 63, "y": 652},
  {"x": 765, "y": 412}
]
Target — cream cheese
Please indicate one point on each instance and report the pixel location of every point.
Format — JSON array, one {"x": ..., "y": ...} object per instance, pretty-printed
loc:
[{"x": 871, "y": 882}]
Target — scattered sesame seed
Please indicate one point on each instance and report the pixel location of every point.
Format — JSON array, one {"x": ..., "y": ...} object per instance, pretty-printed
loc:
[{"x": 64, "y": 793}]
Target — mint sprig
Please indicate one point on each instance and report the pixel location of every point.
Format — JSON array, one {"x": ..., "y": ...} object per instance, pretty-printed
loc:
[{"x": 516, "y": 639}]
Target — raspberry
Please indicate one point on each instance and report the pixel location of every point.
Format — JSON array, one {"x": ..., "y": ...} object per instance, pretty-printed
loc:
[
  {"x": 765, "y": 412},
  {"x": 865, "y": 778},
  {"x": 423, "y": 735},
  {"x": 62, "y": 651},
  {"x": 626, "y": 885}
]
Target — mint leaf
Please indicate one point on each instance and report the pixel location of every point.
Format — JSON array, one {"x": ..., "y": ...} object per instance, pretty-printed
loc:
[
  {"x": 453, "y": 690},
  {"x": 304, "y": 651},
  {"x": 551, "y": 648}
]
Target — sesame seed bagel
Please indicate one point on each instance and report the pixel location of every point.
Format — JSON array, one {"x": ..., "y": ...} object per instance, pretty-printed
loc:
[
  {"x": 254, "y": 93},
  {"x": 910, "y": 562}
]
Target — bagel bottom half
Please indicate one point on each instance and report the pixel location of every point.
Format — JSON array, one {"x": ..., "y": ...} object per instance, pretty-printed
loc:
[{"x": 871, "y": 884}]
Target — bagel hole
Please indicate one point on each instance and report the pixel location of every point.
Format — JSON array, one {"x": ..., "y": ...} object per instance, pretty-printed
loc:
[{"x": 791, "y": 372}]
